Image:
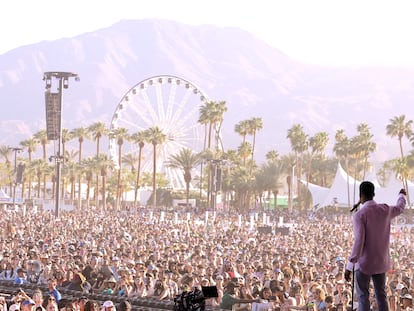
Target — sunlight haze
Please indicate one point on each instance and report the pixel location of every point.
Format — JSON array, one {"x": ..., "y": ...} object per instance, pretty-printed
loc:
[{"x": 316, "y": 32}]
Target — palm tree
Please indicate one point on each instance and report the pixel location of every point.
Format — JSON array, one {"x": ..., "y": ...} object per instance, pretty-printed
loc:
[
  {"x": 317, "y": 145},
  {"x": 97, "y": 130},
  {"x": 89, "y": 168},
  {"x": 211, "y": 115},
  {"x": 271, "y": 173},
  {"x": 299, "y": 143},
  {"x": 156, "y": 137},
  {"x": 41, "y": 136},
  {"x": 342, "y": 149},
  {"x": 66, "y": 136},
  {"x": 104, "y": 163},
  {"x": 30, "y": 145},
  {"x": 129, "y": 159},
  {"x": 51, "y": 172},
  {"x": 186, "y": 160},
  {"x": 80, "y": 133},
  {"x": 39, "y": 167},
  {"x": 242, "y": 182},
  {"x": 255, "y": 124},
  {"x": 367, "y": 145},
  {"x": 71, "y": 170},
  {"x": 400, "y": 167},
  {"x": 6, "y": 152},
  {"x": 272, "y": 155},
  {"x": 245, "y": 151},
  {"x": 242, "y": 128},
  {"x": 138, "y": 138},
  {"x": 399, "y": 128},
  {"x": 121, "y": 135},
  {"x": 289, "y": 163}
]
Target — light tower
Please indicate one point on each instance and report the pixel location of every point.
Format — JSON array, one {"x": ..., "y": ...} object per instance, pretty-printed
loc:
[{"x": 53, "y": 100}]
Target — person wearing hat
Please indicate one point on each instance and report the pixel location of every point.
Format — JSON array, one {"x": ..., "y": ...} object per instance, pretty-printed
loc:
[
  {"x": 108, "y": 306},
  {"x": 21, "y": 277},
  {"x": 370, "y": 256},
  {"x": 109, "y": 286},
  {"x": 229, "y": 298},
  {"x": 27, "y": 305}
]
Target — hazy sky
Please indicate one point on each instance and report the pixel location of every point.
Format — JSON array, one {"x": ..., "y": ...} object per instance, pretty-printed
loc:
[{"x": 326, "y": 32}]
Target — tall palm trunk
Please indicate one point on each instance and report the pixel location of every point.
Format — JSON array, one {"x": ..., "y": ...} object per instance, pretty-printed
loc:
[
  {"x": 154, "y": 178},
  {"x": 405, "y": 182},
  {"x": 138, "y": 175}
]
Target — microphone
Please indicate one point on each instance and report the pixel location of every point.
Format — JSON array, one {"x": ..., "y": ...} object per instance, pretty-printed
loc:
[{"x": 355, "y": 206}]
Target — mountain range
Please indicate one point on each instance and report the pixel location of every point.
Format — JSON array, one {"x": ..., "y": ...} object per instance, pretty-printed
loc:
[{"x": 229, "y": 64}]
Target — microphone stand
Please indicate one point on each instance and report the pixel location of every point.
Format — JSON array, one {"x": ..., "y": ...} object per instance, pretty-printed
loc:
[{"x": 354, "y": 209}]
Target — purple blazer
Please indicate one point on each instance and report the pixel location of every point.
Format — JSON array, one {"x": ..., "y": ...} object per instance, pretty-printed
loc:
[{"x": 371, "y": 249}]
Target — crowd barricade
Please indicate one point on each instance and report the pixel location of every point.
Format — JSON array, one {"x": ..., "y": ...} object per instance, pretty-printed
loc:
[{"x": 8, "y": 289}]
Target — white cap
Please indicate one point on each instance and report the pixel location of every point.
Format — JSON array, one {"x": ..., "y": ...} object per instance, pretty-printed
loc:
[
  {"x": 108, "y": 304},
  {"x": 14, "y": 307}
]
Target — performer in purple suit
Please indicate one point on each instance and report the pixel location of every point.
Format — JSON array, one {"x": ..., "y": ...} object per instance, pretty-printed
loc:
[{"x": 370, "y": 257}]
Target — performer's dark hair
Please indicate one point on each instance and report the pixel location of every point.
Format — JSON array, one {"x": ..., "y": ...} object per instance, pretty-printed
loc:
[{"x": 367, "y": 189}]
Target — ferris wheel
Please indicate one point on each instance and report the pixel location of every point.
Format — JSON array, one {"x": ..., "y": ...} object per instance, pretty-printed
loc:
[{"x": 172, "y": 104}]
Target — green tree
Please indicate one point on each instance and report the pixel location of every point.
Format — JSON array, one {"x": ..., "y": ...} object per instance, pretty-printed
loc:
[
  {"x": 97, "y": 130},
  {"x": 299, "y": 144},
  {"x": 317, "y": 145},
  {"x": 185, "y": 160},
  {"x": 120, "y": 135},
  {"x": 66, "y": 136},
  {"x": 80, "y": 133},
  {"x": 271, "y": 173},
  {"x": 399, "y": 127},
  {"x": 255, "y": 125},
  {"x": 138, "y": 138},
  {"x": 89, "y": 168},
  {"x": 367, "y": 144},
  {"x": 242, "y": 128},
  {"x": 6, "y": 153},
  {"x": 211, "y": 115},
  {"x": 30, "y": 145},
  {"x": 104, "y": 164},
  {"x": 155, "y": 137},
  {"x": 41, "y": 136},
  {"x": 39, "y": 167},
  {"x": 130, "y": 159},
  {"x": 342, "y": 149}
]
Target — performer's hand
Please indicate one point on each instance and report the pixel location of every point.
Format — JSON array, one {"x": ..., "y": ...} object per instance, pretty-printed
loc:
[
  {"x": 402, "y": 191},
  {"x": 347, "y": 275}
]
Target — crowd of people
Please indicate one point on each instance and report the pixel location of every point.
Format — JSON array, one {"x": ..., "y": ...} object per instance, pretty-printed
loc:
[{"x": 141, "y": 253}]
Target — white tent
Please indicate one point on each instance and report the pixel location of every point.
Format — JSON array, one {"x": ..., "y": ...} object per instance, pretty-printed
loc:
[
  {"x": 318, "y": 193},
  {"x": 337, "y": 194},
  {"x": 4, "y": 197},
  {"x": 389, "y": 194}
]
